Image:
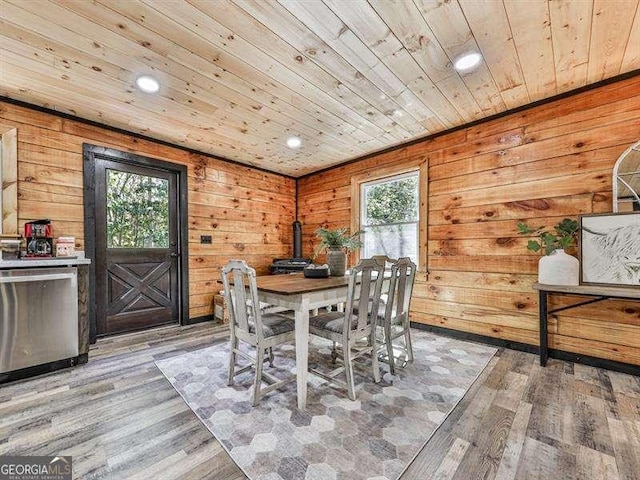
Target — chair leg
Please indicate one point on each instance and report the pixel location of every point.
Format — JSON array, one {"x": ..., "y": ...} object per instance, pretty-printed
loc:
[
  {"x": 348, "y": 370},
  {"x": 232, "y": 359},
  {"x": 389, "y": 342},
  {"x": 407, "y": 342},
  {"x": 271, "y": 356},
  {"x": 334, "y": 353},
  {"x": 374, "y": 357},
  {"x": 258, "y": 383}
]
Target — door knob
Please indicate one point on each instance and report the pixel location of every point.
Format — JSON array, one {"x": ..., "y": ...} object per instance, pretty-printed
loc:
[{"x": 175, "y": 255}]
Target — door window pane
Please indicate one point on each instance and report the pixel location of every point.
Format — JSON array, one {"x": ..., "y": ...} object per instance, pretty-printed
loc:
[
  {"x": 389, "y": 217},
  {"x": 137, "y": 211}
]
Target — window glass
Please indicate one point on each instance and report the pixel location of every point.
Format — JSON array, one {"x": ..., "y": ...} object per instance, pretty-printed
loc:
[
  {"x": 137, "y": 211},
  {"x": 389, "y": 217}
]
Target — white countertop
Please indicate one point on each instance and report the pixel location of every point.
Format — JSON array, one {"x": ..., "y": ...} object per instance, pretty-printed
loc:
[{"x": 44, "y": 262}]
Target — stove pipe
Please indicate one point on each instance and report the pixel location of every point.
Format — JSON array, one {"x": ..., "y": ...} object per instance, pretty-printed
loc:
[{"x": 297, "y": 239}]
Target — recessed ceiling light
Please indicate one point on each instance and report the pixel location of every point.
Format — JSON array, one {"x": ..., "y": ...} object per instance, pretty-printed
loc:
[
  {"x": 293, "y": 142},
  {"x": 147, "y": 84},
  {"x": 467, "y": 61}
]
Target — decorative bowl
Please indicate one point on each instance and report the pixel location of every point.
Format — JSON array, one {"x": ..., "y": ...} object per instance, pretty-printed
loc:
[{"x": 316, "y": 271}]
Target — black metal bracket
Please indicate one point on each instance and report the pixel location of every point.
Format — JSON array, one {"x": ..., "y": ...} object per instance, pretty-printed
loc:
[
  {"x": 545, "y": 312},
  {"x": 580, "y": 304}
]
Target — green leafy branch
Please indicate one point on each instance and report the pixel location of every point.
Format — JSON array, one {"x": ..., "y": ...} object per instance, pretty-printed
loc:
[
  {"x": 337, "y": 238},
  {"x": 564, "y": 235}
]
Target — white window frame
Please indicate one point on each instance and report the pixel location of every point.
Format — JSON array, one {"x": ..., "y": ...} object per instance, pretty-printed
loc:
[
  {"x": 393, "y": 178},
  {"x": 419, "y": 165}
]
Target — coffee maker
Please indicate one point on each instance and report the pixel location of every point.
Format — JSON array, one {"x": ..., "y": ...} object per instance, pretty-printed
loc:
[{"x": 39, "y": 235}]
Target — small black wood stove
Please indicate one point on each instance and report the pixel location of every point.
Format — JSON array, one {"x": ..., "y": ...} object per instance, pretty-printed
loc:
[{"x": 295, "y": 264}]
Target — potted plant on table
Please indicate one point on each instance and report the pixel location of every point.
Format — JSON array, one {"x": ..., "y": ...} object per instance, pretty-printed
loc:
[
  {"x": 555, "y": 267},
  {"x": 337, "y": 243}
]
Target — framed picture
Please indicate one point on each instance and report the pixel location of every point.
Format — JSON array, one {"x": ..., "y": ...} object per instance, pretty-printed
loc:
[{"x": 610, "y": 249}]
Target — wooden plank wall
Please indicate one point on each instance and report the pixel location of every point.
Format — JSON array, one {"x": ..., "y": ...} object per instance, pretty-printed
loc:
[
  {"x": 9, "y": 180},
  {"x": 248, "y": 212},
  {"x": 539, "y": 165}
]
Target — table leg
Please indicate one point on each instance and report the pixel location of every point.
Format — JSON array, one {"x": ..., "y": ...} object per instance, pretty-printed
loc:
[
  {"x": 302, "y": 351},
  {"x": 543, "y": 328}
]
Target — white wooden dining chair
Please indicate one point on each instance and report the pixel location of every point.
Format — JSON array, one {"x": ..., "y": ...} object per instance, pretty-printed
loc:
[
  {"x": 355, "y": 324},
  {"x": 394, "y": 313},
  {"x": 252, "y": 326},
  {"x": 385, "y": 260}
]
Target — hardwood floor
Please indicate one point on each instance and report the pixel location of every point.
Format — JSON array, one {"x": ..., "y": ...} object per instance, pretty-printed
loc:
[
  {"x": 120, "y": 418},
  {"x": 117, "y": 415},
  {"x": 520, "y": 421}
]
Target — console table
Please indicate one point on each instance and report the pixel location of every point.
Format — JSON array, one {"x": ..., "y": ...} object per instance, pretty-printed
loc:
[{"x": 598, "y": 292}]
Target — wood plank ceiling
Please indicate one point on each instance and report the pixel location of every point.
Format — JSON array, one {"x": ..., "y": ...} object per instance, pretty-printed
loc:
[{"x": 349, "y": 77}]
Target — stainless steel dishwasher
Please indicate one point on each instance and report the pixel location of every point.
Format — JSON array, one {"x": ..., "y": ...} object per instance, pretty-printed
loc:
[{"x": 38, "y": 316}]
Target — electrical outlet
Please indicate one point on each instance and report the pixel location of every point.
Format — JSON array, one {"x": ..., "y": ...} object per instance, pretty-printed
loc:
[{"x": 205, "y": 239}]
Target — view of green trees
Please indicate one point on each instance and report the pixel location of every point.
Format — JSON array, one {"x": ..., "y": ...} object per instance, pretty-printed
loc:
[
  {"x": 392, "y": 202},
  {"x": 390, "y": 218},
  {"x": 137, "y": 211}
]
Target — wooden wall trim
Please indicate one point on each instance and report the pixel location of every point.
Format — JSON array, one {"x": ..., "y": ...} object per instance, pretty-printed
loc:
[
  {"x": 380, "y": 152},
  {"x": 9, "y": 180},
  {"x": 539, "y": 166},
  {"x": 479, "y": 122},
  {"x": 525, "y": 347},
  {"x": 105, "y": 126},
  {"x": 248, "y": 212},
  {"x": 202, "y": 319}
]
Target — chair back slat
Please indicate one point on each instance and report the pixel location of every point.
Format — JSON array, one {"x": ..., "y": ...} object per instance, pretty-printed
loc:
[
  {"x": 384, "y": 260},
  {"x": 403, "y": 273},
  {"x": 239, "y": 299},
  {"x": 239, "y": 279},
  {"x": 364, "y": 296}
]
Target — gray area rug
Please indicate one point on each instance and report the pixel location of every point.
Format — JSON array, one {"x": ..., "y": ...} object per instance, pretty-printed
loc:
[{"x": 374, "y": 437}]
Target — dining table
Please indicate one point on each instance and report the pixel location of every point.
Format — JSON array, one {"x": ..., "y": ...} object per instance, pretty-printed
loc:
[{"x": 296, "y": 292}]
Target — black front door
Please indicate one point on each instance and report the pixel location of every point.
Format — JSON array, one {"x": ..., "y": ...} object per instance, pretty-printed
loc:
[{"x": 137, "y": 246}]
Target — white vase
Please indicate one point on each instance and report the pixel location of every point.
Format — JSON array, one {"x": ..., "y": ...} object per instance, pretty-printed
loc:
[{"x": 559, "y": 268}]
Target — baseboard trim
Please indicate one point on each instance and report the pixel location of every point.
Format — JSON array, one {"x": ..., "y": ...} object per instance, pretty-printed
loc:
[
  {"x": 45, "y": 368},
  {"x": 202, "y": 319},
  {"x": 525, "y": 347}
]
